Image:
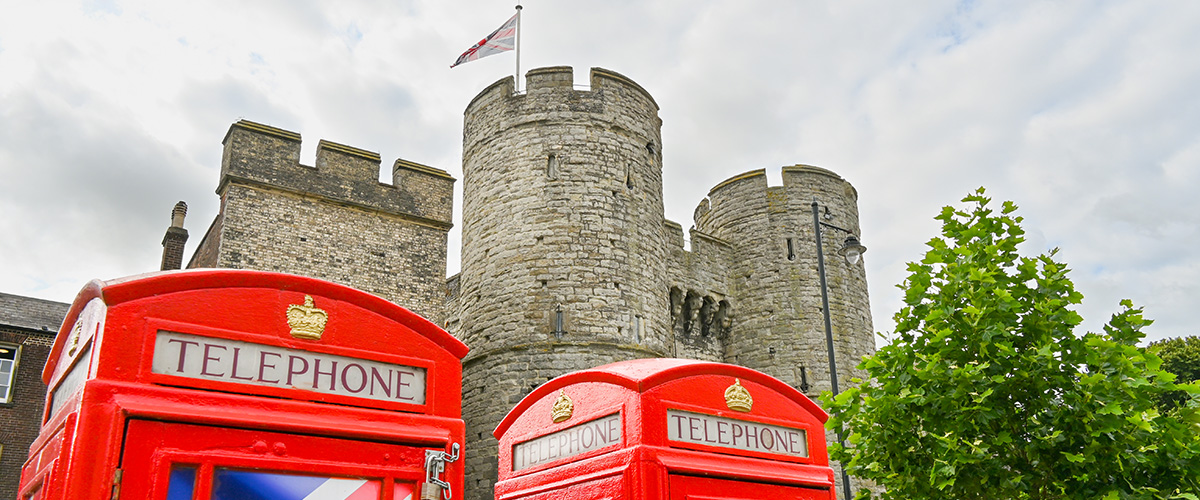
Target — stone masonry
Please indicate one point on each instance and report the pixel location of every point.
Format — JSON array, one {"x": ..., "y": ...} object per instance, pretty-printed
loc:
[
  {"x": 563, "y": 243},
  {"x": 567, "y": 260},
  {"x": 334, "y": 221}
]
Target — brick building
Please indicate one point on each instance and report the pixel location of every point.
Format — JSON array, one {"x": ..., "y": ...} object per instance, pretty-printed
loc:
[{"x": 27, "y": 329}]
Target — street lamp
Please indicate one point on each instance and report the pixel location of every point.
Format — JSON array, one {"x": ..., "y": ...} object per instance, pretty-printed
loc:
[{"x": 852, "y": 250}]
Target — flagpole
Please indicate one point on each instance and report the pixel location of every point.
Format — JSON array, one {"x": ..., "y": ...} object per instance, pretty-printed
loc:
[{"x": 517, "y": 75}]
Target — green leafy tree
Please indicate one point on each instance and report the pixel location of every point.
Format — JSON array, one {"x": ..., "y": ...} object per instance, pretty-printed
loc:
[
  {"x": 1180, "y": 356},
  {"x": 986, "y": 392}
]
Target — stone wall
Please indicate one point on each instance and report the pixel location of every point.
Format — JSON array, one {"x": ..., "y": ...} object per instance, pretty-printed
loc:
[
  {"x": 778, "y": 325},
  {"x": 563, "y": 261},
  {"x": 778, "y": 322},
  {"x": 698, "y": 298},
  {"x": 567, "y": 261},
  {"x": 334, "y": 221}
]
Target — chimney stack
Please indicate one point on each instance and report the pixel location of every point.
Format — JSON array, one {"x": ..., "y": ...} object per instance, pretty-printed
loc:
[{"x": 173, "y": 241}]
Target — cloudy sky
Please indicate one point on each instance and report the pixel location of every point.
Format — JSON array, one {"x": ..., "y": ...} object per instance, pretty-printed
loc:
[{"x": 1086, "y": 114}]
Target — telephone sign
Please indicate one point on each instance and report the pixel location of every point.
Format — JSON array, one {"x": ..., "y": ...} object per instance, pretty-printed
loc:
[
  {"x": 663, "y": 429},
  {"x": 225, "y": 384}
]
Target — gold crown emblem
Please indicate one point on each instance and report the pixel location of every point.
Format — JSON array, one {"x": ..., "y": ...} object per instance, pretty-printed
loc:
[
  {"x": 73, "y": 342},
  {"x": 307, "y": 321},
  {"x": 737, "y": 398},
  {"x": 563, "y": 408}
]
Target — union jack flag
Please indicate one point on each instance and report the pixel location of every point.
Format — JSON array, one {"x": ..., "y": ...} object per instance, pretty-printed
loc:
[
  {"x": 232, "y": 484},
  {"x": 501, "y": 40}
]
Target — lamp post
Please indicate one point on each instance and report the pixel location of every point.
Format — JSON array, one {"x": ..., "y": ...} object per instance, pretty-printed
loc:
[{"x": 852, "y": 250}]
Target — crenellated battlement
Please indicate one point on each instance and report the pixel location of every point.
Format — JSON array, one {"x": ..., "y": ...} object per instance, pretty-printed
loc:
[
  {"x": 549, "y": 78},
  {"x": 347, "y": 162},
  {"x": 333, "y": 220},
  {"x": 748, "y": 194},
  {"x": 267, "y": 156},
  {"x": 560, "y": 79}
]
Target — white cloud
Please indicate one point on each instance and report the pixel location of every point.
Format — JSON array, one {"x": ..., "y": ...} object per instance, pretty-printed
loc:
[{"x": 1083, "y": 113}]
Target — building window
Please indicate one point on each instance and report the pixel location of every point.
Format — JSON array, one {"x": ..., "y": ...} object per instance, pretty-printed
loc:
[{"x": 8, "y": 370}]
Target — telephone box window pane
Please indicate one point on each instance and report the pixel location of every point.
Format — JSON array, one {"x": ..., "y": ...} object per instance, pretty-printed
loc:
[
  {"x": 403, "y": 491},
  {"x": 233, "y": 484},
  {"x": 182, "y": 482}
]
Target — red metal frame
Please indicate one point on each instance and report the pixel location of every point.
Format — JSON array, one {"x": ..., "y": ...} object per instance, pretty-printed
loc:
[
  {"x": 646, "y": 464},
  {"x": 126, "y": 417},
  {"x": 272, "y": 451}
]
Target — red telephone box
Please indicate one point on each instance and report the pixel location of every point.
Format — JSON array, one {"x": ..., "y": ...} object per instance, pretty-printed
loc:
[
  {"x": 659, "y": 429},
  {"x": 222, "y": 384}
]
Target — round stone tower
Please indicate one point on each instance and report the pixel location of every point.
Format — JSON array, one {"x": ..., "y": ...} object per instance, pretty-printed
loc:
[
  {"x": 773, "y": 278},
  {"x": 564, "y": 254}
]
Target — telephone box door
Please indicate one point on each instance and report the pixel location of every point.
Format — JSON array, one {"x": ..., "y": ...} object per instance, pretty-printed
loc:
[
  {"x": 162, "y": 461},
  {"x": 707, "y": 488}
]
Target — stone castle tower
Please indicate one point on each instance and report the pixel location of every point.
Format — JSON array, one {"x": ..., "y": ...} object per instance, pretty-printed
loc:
[{"x": 567, "y": 260}]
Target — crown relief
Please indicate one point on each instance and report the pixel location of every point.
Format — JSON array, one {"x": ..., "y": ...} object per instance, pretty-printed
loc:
[
  {"x": 563, "y": 408},
  {"x": 76, "y": 334},
  {"x": 737, "y": 398},
  {"x": 307, "y": 321}
]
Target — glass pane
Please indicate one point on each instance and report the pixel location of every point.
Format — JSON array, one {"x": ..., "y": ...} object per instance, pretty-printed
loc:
[
  {"x": 403, "y": 491},
  {"x": 232, "y": 484},
  {"x": 7, "y": 357},
  {"x": 182, "y": 482}
]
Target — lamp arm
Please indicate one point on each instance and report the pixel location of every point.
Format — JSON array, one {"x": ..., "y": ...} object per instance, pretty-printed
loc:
[{"x": 831, "y": 226}]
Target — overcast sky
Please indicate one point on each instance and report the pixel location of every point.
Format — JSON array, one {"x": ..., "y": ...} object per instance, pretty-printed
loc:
[{"x": 1084, "y": 113}]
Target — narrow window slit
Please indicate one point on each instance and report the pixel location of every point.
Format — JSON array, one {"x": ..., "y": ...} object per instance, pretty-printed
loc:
[{"x": 552, "y": 166}]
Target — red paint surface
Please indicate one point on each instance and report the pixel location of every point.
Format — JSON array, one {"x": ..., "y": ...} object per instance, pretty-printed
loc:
[
  {"x": 140, "y": 422},
  {"x": 645, "y": 464}
]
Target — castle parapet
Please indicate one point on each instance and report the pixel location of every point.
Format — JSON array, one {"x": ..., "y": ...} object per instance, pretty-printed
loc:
[
  {"x": 431, "y": 189},
  {"x": 549, "y": 78},
  {"x": 603, "y": 79},
  {"x": 552, "y": 90},
  {"x": 818, "y": 179},
  {"x": 269, "y": 157},
  {"x": 743, "y": 195},
  {"x": 248, "y": 144},
  {"x": 346, "y": 162},
  {"x": 748, "y": 195},
  {"x": 673, "y": 233}
]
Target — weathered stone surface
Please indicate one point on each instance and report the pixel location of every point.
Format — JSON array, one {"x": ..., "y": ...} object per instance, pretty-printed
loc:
[
  {"x": 334, "y": 221},
  {"x": 563, "y": 211},
  {"x": 567, "y": 260}
]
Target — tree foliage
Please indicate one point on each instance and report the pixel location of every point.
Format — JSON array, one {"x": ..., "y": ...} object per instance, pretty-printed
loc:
[
  {"x": 986, "y": 391},
  {"x": 1181, "y": 357}
]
